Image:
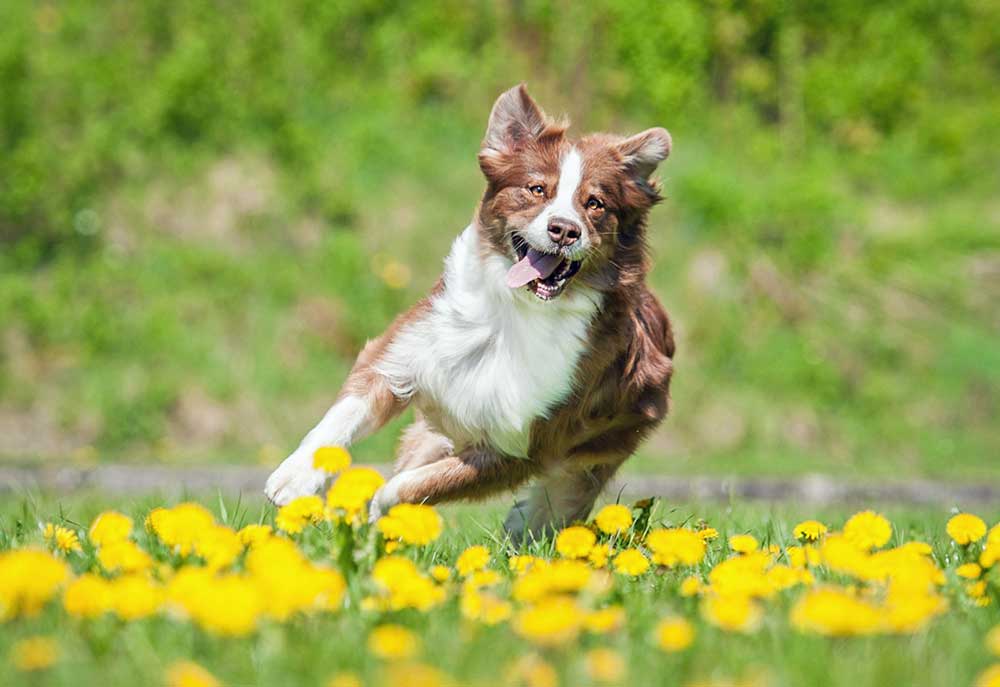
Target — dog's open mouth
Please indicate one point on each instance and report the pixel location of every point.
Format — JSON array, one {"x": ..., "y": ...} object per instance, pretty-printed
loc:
[{"x": 545, "y": 274}]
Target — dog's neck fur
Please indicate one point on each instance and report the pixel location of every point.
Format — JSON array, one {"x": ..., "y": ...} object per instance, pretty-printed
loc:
[{"x": 484, "y": 361}]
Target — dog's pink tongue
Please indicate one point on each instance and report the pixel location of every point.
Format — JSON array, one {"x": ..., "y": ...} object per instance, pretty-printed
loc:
[{"x": 534, "y": 265}]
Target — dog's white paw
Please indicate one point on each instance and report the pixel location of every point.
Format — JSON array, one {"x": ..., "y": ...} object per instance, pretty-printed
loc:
[{"x": 295, "y": 477}]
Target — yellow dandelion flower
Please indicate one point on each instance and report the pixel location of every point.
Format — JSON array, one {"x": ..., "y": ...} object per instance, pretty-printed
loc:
[
  {"x": 552, "y": 621},
  {"x": 557, "y": 577},
  {"x": 631, "y": 562},
  {"x": 533, "y": 671},
  {"x": 809, "y": 530},
  {"x": 604, "y": 665},
  {"x": 994, "y": 535},
  {"x": 835, "y": 612},
  {"x": 134, "y": 597},
  {"x": 294, "y": 516},
  {"x": 803, "y": 556},
  {"x": 331, "y": 459},
  {"x": 742, "y": 575},
  {"x": 189, "y": 674},
  {"x": 393, "y": 642},
  {"x": 918, "y": 547},
  {"x": 61, "y": 538},
  {"x": 867, "y": 530},
  {"x": 598, "y": 556},
  {"x": 495, "y": 610},
  {"x": 676, "y": 546},
  {"x": 441, "y": 573},
  {"x": 842, "y": 555},
  {"x": 691, "y": 586},
  {"x": 391, "y": 571},
  {"x": 674, "y": 634},
  {"x": 613, "y": 518},
  {"x": 472, "y": 559},
  {"x": 481, "y": 579},
  {"x": 993, "y": 641},
  {"x": 228, "y": 605},
  {"x": 521, "y": 564},
  {"x": 345, "y": 680},
  {"x": 989, "y": 677},
  {"x": 108, "y": 527},
  {"x": 484, "y": 607},
  {"x": 409, "y": 523},
  {"x": 403, "y": 586},
  {"x": 970, "y": 571},
  {"x": 29, "y": 578},
  {"x": 251, "y": 535},
  {"x": 735, "y": 613},
  {"x": 352, "y": 491},
  {"x": 909, "y": 610},
  {"x": 604, "y": 620},
  {"x": 219, "y": 545},
  {"x": 575, "y": 542},
  {"x": 743, "y": 543},
  {"x": 88, "y": 596},
  {"x": 782, "y": 577},
  {"x": 966, "y": 528},
  {"x": 990, "y": 555},
  {"x": 180, "y": 526},
  {"x": 123, "y": 556},
  {"x": 708, "y": 534},
  {"x": 34, "y": 654},
  {"x": 976, "y": 590}
]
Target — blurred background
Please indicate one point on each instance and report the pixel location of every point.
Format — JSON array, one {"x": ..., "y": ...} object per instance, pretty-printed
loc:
[{"x": 206, "y": 208}]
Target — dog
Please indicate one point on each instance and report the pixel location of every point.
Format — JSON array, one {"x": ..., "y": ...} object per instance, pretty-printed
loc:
[{"x": 540, "y": 353}]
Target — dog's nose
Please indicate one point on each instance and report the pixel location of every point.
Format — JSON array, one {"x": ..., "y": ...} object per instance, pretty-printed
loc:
[{"x": 563, "y": 231}]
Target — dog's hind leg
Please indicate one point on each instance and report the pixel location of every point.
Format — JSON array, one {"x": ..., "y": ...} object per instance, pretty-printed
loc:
[
  {"x": 474, "y": 473},
  {"x": 420, "y": 445},
  {"x": 557, "y": 500}
]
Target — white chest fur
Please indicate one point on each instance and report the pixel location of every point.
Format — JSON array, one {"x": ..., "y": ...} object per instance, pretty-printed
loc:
[{"x": 487, "y": 360}]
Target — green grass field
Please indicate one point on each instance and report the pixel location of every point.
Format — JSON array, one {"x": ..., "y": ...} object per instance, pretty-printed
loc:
[{"x": 309, "y": 649}]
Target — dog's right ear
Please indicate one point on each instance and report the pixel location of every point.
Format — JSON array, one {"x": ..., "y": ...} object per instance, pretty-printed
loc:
[{"x": 515, "y": 119}]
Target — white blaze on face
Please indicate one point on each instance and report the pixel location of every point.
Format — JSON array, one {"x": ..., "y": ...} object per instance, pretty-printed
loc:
[
  {"x": 570, "y": 174},
  {"x": 563, "y": 205}
]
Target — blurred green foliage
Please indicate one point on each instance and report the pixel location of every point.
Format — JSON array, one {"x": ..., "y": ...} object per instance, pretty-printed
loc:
[{"x": 205, "y": 208}]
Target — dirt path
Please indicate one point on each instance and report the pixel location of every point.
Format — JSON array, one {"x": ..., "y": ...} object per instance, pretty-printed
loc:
[{"x": 811, "y": 489}]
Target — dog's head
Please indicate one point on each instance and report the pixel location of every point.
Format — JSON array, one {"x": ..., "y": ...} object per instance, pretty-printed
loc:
[{"x": 565, "y": 211}]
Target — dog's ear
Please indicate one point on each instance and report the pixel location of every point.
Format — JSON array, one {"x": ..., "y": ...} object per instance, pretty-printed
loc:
[
  {"x": 515, "y": 118},
  {"x": 643, "y": 152}
]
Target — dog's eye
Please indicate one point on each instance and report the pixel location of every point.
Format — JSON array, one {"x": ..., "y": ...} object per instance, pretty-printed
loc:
[
  {"x": 537, "y": 190},
  {"x": 594, "y": 204}
]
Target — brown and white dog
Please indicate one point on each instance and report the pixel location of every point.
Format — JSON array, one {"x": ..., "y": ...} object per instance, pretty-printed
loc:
[{"x": 539, "y": 353}]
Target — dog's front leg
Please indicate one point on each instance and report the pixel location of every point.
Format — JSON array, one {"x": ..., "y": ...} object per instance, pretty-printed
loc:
[{"x": 365, "y": 404}]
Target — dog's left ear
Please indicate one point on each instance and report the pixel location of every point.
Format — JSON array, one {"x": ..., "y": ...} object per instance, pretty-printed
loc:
[
  {"x": 515, "y": 118},
  {"x": 643, "y": 152}
]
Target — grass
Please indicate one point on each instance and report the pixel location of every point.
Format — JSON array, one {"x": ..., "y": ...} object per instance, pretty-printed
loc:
[{"x": 307, "y": 650}]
